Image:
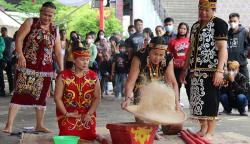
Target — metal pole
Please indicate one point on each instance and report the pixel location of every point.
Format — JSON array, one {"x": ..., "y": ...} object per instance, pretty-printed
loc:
[
  {"x": 131, "y": 12},
  {"x": 101, "y": 11}
]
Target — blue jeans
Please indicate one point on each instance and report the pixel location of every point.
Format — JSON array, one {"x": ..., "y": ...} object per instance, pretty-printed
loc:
[
  {"x": 120, "y": 79},
  {"x": 240, "y": 103},
  {"x": 104, "y": 85}
]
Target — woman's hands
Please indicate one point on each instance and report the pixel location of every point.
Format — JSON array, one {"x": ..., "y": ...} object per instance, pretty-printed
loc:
[
  {"x": 177, "y": 106},
  {"x": 21, "y": 61},
  {"x": 218, "y": 79},
  {"x": 72, "y": 114},
  {"x": 182, "y": 77},
  {"x": 125, "y": 103},
  {"x": 88, "y": 120}
]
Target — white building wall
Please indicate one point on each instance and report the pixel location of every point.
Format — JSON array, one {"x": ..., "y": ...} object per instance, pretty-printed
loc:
[
  {"x": 225, "y": 7},
  {"x": 144, "y": 9}
]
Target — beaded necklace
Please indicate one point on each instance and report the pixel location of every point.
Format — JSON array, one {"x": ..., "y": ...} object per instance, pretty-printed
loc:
[{"x": 153, "y": 73}]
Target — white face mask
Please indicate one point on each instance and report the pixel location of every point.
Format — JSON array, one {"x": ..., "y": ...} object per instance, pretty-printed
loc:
[
  {"x": 101, "y": 37},
  {"x": 233, "y": 73},
  {"x": 169, "y": 28},
  {"x": 131, "y": 32},
  {"x": 234, "y": 25},
  {"x": 89, "y": 41}
]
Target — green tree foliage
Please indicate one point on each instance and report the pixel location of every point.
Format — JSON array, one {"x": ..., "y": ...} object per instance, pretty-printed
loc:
[
  {"x": 112, "y": 25},
  {"x": 26, "y": 6},
  {"x": 87, "y": 19},
  {"x": 6, "y": 5},
  {"x": 83, "y": 20}
]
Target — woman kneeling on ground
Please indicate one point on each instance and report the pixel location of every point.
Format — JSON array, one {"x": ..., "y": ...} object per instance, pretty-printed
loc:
[
  {"x": 77, "y": 96},
  {"x": 150, "y": 64}
]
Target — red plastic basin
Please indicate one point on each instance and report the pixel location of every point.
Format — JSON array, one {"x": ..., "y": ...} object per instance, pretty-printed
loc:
[{"x": 132, "y": 133}]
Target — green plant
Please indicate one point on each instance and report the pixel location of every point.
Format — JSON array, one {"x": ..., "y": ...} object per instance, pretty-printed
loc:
[{"x": 83, "y": 20}]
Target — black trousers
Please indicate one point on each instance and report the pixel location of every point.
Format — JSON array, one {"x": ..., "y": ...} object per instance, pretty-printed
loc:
[
  {"x": 1, "y": 82},
  {"x": 187, "y": 86},
  {"x": 244, "y": 70},
  {"x": 9, "y": 73}
]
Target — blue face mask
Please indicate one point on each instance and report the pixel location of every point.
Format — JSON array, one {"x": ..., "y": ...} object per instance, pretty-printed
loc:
[{"x": 169, "y": 28}]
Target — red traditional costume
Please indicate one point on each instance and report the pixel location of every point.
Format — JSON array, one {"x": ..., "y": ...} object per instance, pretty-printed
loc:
[
  {"x": 33, "y": 81},
  {"x": 78, "y": 96}
]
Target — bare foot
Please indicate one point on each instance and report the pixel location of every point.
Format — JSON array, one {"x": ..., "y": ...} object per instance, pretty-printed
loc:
[
  {"x": 43, "y": 129},
  {"x": 201, "y": 133},
  {"x": 7, "y": 130},
  {"x": 209, "y": 137},
  {"x": 104, "y": 139},
  {"x": 100, "y": 138},
  {"x": 157, "y": 137}
]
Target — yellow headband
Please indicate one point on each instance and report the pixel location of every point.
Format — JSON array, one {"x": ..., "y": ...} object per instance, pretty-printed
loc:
[
  {"x": 207, "y": 4},
  {"x": 158, "y": 46},
  {"x": 81, "y": 53}
]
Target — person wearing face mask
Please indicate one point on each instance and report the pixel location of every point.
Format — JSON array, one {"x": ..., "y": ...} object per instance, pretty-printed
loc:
[
  {"x": 114, "y": 45},
  {"x": 148, "y": 35},
  {"x": 101, "y": 37},
  {"x": 74, "y": 43},
  {"x": 93, "y": 35},
  {"x": 120, "y": 70},
  {"x": 105, "y": 72},
  {"x": 91, "y": 47},
  {"x": 169, "y": 28},
  {"x": 238, "y": 43},
  {"x": 233, "y": 94},
  {"x": 131, "y": 29},
  {"x": 102, "y": 45}
]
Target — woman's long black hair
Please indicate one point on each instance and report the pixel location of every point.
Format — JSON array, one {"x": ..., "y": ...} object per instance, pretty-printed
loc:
[
  {"x": 98, "y": 35},
  {"x": 181, "y": 24},
  {"x": 148, "y": 30}
]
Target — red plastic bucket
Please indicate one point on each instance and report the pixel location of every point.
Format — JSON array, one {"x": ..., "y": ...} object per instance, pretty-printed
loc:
[{"x": 132, "y": 133}]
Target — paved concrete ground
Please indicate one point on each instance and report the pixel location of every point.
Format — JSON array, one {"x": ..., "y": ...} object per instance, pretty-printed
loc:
[{"x": 109, "y": 111}]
